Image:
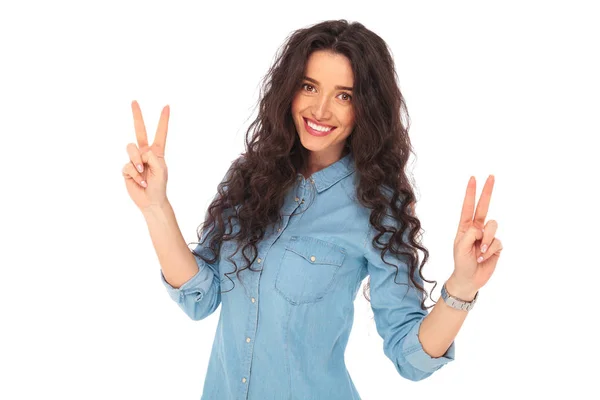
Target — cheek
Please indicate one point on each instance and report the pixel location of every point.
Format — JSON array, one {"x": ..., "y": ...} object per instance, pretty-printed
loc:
[
  {"x": 348, "y": 119},
  {"x": 296, "y": 103},
  {"x": 293, "y": 107}
]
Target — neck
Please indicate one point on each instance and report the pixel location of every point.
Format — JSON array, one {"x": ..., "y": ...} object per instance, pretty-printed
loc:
[{"x": 310, "y": 168}]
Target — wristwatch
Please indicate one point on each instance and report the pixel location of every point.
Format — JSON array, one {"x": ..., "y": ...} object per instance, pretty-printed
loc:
[{"x": 457, "y": 303}]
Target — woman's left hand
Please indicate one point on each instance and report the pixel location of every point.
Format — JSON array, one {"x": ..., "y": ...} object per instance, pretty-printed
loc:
[{"x": 476, "y": 250}]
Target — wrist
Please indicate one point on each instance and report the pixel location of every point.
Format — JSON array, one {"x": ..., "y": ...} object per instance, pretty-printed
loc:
[
  {"x": 157, "y": 210},
  {"x": 460, "y": 291}
]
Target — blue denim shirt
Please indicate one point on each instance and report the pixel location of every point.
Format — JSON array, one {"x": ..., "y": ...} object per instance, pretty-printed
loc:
[{"x": 283, "y": 332}]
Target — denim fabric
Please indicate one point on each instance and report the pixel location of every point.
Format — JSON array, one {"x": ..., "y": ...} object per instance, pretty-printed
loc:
[{"x": 282, "y": 331}]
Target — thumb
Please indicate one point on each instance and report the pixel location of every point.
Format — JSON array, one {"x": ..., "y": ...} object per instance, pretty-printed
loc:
[
  {"x": 472, "y": 235},
  {"x": 150, "y": 158}
]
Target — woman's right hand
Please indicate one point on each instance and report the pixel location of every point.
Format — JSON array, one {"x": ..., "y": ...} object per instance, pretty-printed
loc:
[{"x": 148, "y": 188}]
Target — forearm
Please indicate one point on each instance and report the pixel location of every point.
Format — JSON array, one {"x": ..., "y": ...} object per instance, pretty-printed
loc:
[
  {"x": 439, "y": 329},
  {"x": 177, "y": 262}
]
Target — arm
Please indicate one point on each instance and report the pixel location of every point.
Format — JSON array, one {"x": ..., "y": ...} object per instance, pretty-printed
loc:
[
  {"x": 190, "y": 282},
  {"x": 176, "y": 260},
  {"x": 398, "y": 315},
  {"x": 472, "y": 268},
  {"x": 440, "y": 327}
]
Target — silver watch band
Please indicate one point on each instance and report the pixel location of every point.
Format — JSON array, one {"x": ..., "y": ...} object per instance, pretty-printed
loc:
[{"x": 457, "y": 303}]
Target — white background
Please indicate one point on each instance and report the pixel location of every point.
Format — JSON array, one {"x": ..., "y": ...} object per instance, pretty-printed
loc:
[{"x": 504, "y": 88}]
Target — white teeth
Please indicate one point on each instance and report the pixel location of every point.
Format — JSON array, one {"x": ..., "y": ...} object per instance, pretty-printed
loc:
[{"x": 318, "y": 127}]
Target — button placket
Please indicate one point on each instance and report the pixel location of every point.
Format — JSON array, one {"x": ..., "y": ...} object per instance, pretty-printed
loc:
[{"x": 254, "y": 319}]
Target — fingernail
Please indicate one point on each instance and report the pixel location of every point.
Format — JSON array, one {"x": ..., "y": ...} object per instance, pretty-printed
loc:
[
  {"x": 140, "y": 168},
  {"x": 480, "y": 259},
  {"x": 144, "y": 184},
  {"x": 484, "y": 248}
]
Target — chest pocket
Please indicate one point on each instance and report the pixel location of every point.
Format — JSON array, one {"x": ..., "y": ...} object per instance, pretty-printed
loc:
[{"x": 308, "y": 269}]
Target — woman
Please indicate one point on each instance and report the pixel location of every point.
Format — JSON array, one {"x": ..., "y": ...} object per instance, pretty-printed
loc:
[{"x": 302, "y": 217}]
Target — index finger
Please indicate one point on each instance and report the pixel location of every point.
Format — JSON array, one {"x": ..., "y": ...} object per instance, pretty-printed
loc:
[
  {"x": 160, "y": 139},
  {"x": 140, "y": 127},
  {"x": 484, "y": 202}
]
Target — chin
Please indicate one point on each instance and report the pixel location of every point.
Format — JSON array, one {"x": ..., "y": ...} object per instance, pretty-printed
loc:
[{"x": 313, "y": 143}]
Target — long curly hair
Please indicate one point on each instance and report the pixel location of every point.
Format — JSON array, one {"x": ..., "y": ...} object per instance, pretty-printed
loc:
[{"x": 254, "y": 187}]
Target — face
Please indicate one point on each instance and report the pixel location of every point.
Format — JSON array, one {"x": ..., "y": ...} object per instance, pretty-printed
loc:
[{"x": 322, "y": 108}]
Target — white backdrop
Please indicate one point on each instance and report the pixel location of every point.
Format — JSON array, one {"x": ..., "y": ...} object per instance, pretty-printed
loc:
[{"x": 506, "y": 88}]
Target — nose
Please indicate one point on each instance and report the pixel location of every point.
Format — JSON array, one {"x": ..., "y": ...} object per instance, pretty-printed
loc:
[{"x": 321, "y": 108}]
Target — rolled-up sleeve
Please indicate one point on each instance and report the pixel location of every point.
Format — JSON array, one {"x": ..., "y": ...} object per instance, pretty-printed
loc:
[
  {"x": 200, "y": 295},
  {"x": 398, "y": 314},
  {"x": 417, "y": 357}
]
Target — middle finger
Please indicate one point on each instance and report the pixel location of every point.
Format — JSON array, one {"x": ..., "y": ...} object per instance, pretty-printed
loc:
[
  {"x": 160, "y": 139},
  {"x": 140, "y": 127}
]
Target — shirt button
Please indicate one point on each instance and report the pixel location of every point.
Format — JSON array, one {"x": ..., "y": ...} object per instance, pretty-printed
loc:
[
  {"x": 297, "y": 199},
  {"x": 253, "y": 300},
  {"x": 244, "y": 380},
  {"x": 259, "y": 260},
  {"x": 279, "y": 230},
  {"x": 302, "y": 202},
  {"x": 247, "y": 340},
  {"x": 312, "y": 258}
]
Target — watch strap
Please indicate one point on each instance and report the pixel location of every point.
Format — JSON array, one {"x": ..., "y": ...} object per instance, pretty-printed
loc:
[{"x": 457, "y": 303}]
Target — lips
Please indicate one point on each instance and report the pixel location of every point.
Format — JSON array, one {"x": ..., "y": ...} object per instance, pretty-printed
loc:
[{"x": 315, "y": 132}]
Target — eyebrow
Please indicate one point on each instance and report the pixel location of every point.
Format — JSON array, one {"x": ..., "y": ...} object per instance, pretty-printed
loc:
[{"x": 337, "y": 86}]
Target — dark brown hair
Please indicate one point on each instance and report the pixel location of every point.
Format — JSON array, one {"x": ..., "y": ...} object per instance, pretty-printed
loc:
[{"x": 254, "y": 187}]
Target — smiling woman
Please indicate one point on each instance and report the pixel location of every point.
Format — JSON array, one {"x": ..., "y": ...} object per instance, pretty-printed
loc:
[
  {"x": 308, "y": 212},
  {"x": 322, "y": 109}
]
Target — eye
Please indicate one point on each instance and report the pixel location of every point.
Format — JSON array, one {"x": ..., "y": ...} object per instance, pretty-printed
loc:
[
  {"x": 308, "y": 86},
  {"x": 347, "y": 96}
]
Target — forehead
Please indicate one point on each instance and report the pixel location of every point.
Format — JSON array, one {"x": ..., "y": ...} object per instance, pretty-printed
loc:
[{"x": 329, "y": 68}]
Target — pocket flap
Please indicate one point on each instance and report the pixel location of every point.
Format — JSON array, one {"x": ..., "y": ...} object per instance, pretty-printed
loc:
[{"x": 317, "y": 251}]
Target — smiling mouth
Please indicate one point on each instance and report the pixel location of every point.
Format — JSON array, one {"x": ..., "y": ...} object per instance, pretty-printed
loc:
[{"x": 318, "y": 128}]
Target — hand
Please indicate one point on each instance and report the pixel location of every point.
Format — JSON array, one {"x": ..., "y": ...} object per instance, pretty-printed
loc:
[
  {"x": 470, "y": 274},
  {"x": 148, "y": 187}
]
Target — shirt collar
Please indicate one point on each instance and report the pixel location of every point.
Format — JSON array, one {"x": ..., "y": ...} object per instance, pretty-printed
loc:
[{"x": 332, "y": 174}]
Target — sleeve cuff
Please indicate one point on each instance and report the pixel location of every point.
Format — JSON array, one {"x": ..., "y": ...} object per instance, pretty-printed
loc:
[
  {"x": 197, "y": 285},
  {"x": 418, "y": 358}
]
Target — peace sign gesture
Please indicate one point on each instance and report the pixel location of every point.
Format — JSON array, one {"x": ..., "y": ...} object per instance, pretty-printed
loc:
[
  {"x": 146, "y": 172},
  {"x": 476, "y": 250}
]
